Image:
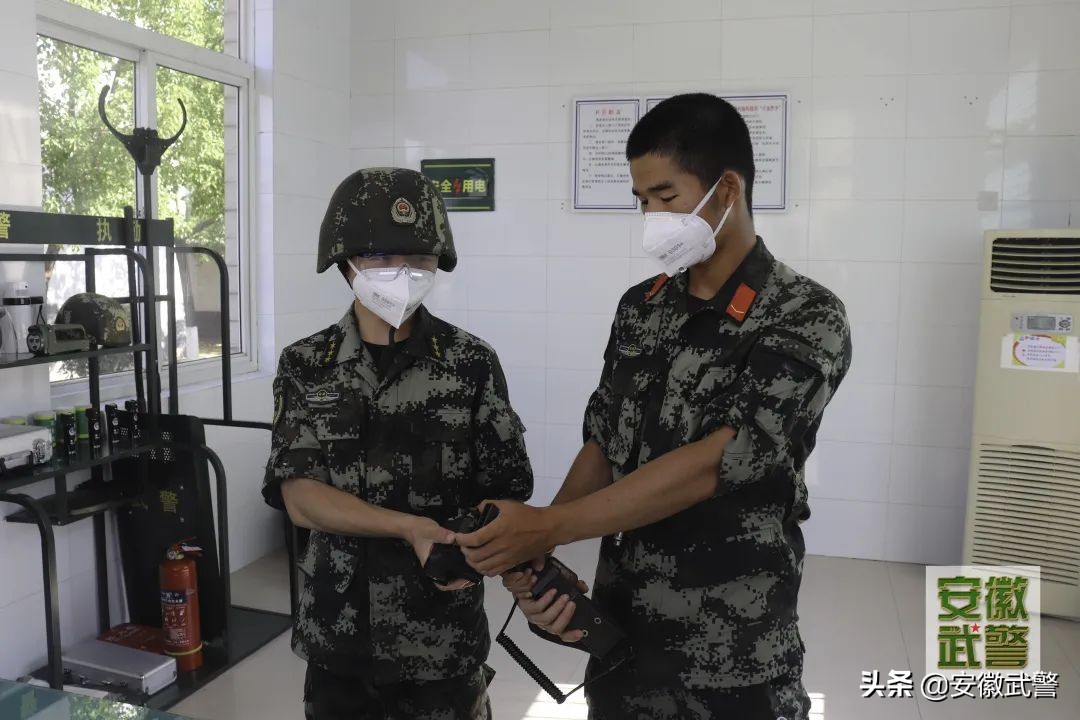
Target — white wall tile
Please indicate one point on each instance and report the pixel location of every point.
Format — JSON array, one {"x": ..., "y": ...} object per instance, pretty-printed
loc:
[
  {"x": 410, "y": 156},
  {"x": 577, "y": 235},
  {"x": 509, "y": 59},
  {"x": 925, "y": 535},
  {"x": 437, "y": 63},
  {"x": 1042, "y": 168},
  {"x": 932, "y": 354},
  {"x": 570, "y": 13},
  {"x": 373, "y": 21},
  {"x": 939, "y": 293},
  {"x": 432, "y": 118},
  {"x": 857, "y": 169},
  {"x": 859, "y": 107},
  {"x": 372, "y": 121},
  {"x": 775, "y": 8},
  {"x": 507, "y": 284},
  {"x": 859, "y": 413},
  {"x": 642, "y": 269},
  {"x": 592, "y": 55},
  {"x": 296, "y": 165},
  {"x": 563, "y": 445},
  {"x": 953, "y": 169},
  {"x": 963, "y": 41},
  {"x": 1044, "y": 37},
  {"x": 946, "y": 231},
  {"x": 929, "y": 476},
  {"x": 577, "y": 285},
  {"x": 536, "y": 447},
  {"x": 786, "y": 234},
  {"x": 933, "y": 416},
  {"x": 507, "y": 116},
  {"x": 800, "y": 168},
  {"x": 766, "y": 48},
  {"x": 24, "y": 636},
  {"x": 517, "y": 227},
  {"x": 451, "y": 288},
  {"x": 296, "y": 225},
  {"x": 664, "y": 52},
  {"x": 873, "y": 358},
  {"x": 528, "y": 395},
  {"x": 1022, "y": 214},
  {"x": 373, "y": 67},
  {"x": 956, "y": 105},
  {"x": 520, "y": 339},
  {"x": 871, "y": 291},
  {"x": 847, "y": 45},
  {"x": 420, "y": 18},
  {"x": 577, "y": 341},
  {"x": 834, "y": 7},
  {"x": 371, "y": 157},
  {"x": 1044, "y": 103},
  {"x": 842, "y": 528},
  {"x": 856, "y": 230},
  {"x": 568, "y": 393},
  {"x": 849, "y": 471},
  {"x": 300, "y": 288},
  {"x": 647, "y": 12},
  {"x": 521, "y": 171},
  {"x": 559, "y": 161},
  {"x": 496, "y": 16}
]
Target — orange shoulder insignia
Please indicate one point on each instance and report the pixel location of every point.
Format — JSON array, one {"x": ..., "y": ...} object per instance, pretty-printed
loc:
[{"x": 657, "y": 286}]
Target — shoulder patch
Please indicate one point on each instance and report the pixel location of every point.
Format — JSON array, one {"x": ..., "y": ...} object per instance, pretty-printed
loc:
[
  {"x": 657, "y": 286},
  {"x": 740, "y": 303}
]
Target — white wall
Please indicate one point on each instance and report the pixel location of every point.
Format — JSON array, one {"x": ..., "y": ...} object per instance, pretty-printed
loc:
[{"x": 904, "y": 113}]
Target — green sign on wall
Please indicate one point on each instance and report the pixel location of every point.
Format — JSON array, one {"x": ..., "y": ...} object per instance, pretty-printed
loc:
[{"x": 465, "y": 184}]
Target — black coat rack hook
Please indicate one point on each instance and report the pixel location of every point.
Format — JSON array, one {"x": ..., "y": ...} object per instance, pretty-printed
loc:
[{"x": 144, "y": 145}]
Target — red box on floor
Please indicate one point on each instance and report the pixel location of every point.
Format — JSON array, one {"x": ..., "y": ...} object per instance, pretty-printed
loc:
[{"x": 139, "y": 637}]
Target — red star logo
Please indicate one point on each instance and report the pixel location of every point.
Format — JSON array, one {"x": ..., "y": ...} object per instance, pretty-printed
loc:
[{"x": 975, "y": 628}]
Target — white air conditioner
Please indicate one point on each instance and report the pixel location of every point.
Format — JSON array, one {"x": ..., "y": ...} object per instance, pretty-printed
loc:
[{"x": 1024, "y": 490}]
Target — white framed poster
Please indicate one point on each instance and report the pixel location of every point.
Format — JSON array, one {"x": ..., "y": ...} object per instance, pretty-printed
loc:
[
  {"x": 766, "y": 115},
  {"x": 601, "y": 173}
]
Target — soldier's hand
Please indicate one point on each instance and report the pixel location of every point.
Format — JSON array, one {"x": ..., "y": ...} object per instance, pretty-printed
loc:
[
  {"x": 519, "y": 532},
  {"x": 422, "y": 533},
  {"x": 549, "y": 613}
]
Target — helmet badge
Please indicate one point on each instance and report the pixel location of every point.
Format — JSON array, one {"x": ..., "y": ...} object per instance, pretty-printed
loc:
[{"x": 403, "y": 212}]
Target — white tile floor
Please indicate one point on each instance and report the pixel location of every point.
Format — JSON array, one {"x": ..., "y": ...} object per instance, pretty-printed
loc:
[{"x": 856, "y": 615}]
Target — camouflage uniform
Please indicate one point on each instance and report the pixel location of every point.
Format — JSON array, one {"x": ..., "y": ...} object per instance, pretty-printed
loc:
[
  {"x": 708, "y": 596},
  {"x": 431, "y": 435}
]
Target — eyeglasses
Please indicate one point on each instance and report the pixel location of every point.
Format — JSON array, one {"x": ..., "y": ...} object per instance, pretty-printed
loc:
[{"x": 396, "y": 262}]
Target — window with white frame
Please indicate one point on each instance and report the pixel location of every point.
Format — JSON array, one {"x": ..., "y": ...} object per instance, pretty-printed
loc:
[{"x": 152, "y": 53}]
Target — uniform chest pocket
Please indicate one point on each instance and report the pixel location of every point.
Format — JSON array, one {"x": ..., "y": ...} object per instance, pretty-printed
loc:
[
  {"x": 339, "y": 430},
  {"x": 633, "y": 382},
  {"x": 442, "y": 460}
]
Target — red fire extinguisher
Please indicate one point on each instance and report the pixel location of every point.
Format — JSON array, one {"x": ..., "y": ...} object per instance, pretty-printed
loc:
[{"x": 180, "y": 606}]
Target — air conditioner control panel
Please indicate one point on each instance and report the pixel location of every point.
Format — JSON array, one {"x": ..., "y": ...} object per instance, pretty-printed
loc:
[{"x": 1043, "y": 322}]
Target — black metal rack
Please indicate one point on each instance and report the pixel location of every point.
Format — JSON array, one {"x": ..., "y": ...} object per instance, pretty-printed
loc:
[{"x": 246, "y": 629}]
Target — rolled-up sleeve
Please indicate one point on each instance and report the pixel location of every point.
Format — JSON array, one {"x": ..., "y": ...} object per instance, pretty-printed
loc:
[
  {"x": 502, "y": 462},
  {"x": 598, "y": 410},
  {"x": 294, "y": 451},
  {"x": 776, "y": 403}
]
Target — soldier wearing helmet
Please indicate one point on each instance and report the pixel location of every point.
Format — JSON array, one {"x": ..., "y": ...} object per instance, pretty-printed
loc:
[{"x": 386, "y": 425}]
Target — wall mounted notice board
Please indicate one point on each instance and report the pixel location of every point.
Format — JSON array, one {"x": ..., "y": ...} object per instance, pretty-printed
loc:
[{"x": 601, "y": 174}]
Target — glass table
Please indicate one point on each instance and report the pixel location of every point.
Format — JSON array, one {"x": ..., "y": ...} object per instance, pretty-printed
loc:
[{"x": 19, "y": 701}]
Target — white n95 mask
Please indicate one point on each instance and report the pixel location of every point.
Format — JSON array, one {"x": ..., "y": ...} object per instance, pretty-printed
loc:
[
  {"x": 676, "y": 241},
  {"x": 392, "y": 293}
]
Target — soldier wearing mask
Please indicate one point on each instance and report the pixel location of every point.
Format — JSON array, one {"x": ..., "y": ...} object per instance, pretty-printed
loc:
[
  {"x": 386, "y": 425},
  {"x": 715, "y": 378}
]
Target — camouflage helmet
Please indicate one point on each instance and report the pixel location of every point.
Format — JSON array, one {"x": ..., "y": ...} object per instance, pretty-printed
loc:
[
  {"x": 104, "y": 319},
  {"x": 386, "y": 210}
]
